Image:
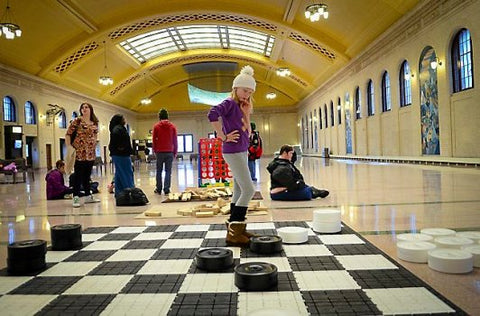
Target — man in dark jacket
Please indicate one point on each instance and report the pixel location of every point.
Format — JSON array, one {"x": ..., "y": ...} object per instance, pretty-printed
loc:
[
  {"x": 120, "y": 150},
  {"x": 287, "y": 181}
]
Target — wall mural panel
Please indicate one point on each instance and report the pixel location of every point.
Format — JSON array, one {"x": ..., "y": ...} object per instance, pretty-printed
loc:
[
  {"x": 348, "y": 124},
  {"x": 429, "y": 104}
]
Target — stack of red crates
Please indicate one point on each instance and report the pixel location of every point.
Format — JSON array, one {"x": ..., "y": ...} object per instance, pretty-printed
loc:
[{"x": 211, "y": 164}]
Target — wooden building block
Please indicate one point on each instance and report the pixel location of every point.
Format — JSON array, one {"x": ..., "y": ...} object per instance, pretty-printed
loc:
[{"x": 204, "y": 214}]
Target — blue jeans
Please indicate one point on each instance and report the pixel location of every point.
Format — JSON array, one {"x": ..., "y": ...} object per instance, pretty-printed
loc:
[
  {"x": 304, "y": 194},
  {"x": 123, "y": 173},
  {"x": 251, "y": 167},
  {"x": 167, "y": 159}
]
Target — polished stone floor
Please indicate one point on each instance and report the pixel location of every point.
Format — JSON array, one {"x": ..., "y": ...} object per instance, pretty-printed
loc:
[{"x": 378, "y": 200}]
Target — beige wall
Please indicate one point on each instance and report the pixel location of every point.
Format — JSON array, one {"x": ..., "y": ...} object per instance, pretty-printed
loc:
[{"x": 397, "y": 132}]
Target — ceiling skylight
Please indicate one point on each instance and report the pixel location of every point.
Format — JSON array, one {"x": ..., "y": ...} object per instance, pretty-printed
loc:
[{"x": 149, "y": 45}]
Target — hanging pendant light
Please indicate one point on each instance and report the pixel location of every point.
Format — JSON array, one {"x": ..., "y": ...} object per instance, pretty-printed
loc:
[
  {"x": 315, "y": 11},
  {"x": 105, "y": 79},
  {"x": 8, "y": 27},
  {"x": 146, "y": 100}
]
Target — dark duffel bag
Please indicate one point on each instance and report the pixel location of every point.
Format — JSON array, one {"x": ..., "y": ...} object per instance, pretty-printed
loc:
[{"x": 131, "y": 197}]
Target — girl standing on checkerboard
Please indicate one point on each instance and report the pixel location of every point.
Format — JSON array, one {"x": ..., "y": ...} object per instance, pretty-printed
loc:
[{"x": 234, "y": 130}]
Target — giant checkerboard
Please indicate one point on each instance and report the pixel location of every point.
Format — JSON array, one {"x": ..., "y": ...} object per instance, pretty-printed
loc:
[{"x": 151, "y": 271}]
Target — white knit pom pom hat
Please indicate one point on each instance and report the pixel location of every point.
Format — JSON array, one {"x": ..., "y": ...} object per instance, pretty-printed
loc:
[{"x": 245, "y": 79}]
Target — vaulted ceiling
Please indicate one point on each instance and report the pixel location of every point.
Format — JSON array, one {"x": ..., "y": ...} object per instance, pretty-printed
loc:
[{"x": 68, "y": 41}]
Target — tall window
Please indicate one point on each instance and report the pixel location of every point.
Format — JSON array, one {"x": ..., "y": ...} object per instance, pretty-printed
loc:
[
  {"x": 462, "y": 66},
  {"x": 62, "y": 120},
  {"x": 358, "y": 107},
  {"x": 185, "y": 143},
  {"x": 339, "y": 111},
  {"x": 332, "y": 114},
  {"x": 30, "y": 116},
  {"x": 405, "y": 80},
  {"x": 370, "y": 98},
  {"x": 9, "y": 110},
  {"x": 386, "y": 100},
  {"x": 320, "y": 117},
  {"x": 326, "y": 115}
]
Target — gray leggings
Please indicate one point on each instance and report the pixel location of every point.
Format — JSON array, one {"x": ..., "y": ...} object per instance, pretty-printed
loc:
[{"x": 243, "y": 189}]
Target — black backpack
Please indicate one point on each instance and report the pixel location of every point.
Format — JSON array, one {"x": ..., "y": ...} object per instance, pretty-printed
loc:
[{"x": 132, "y": 197}]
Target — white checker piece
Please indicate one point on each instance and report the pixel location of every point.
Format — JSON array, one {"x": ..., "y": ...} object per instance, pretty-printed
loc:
[
  {"x": 140, "y": 304},
  {"x": 182, "y": 243},
  {"x": 306, "y": 250},
  {"x": 310, "y": 224},
  {"x": 365, "y": 262},
  {"x": 216, "y": 234},
  {"x": 413, "y": 300},
  {"x": 9, "y": 283},
  {"x": 57, "y": 256},
  {"x": 280, "y": 262},
  {"x": 71, "y": 269},
  {"x": 153, "y": 236},
  {"x": 192, "y": 228},
  {"x": 340, "y": 239},
  {"x": 291, "y": 303},
  {"x": 253, "y": 226},
  {"x": 24, "y": 304},
  {"x": 91, "y": 237},
  {"x": 209, "y": 283},
  {"x": 99, "y": 284},
  {"x": 106, "y": 245},
  {"x": 132, "y": 255},
  {"x": 129, "y": 230},
  {"x": 177, "y": 266},
  {"x": 325, "y": 280}
]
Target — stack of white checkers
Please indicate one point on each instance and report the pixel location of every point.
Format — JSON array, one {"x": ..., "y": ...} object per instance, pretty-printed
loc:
[
  {"x": 443, "y": 249},
  {"x": 293, "y": 235},
  {"x": 327, "y": 220}
]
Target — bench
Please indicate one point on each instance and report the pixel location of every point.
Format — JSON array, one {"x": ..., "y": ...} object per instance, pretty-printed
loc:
[{"x": 21, "y": 165}]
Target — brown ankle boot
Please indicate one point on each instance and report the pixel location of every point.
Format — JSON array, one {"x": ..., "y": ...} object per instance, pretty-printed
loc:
[
  {"x": 235, "y": 236},
  {"x": 245, "y": 232}
]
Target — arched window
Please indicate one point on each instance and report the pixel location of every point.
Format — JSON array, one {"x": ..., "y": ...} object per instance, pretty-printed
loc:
[
  {"x": 370, "y": 98},
  {"x": 462, "y": 66},
  {"x": 358, "y": 107},
  {"x": 405, "y": 80},
  {"x": 326, "y": 115},
  {"x": 386, "y": 100},
  {"x": 320, "y": 117},
  {"x": 62, "y": 120},
  {"x": 332, "y": 114},
  {"x": 339, "y": 110},
  {"x": 30, "y": 115},
  {"x": 9, "y": 110}
]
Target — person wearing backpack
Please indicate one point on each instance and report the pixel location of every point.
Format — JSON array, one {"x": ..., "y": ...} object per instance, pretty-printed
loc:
[{"x": 254, "y": 150}]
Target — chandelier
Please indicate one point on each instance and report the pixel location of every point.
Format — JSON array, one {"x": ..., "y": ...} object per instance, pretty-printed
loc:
[
  {"x": 146, "y": 100},
  {"x": 271, "y": 95},
  {"x": 105, "y": 79},
  {"x": 7, "y": 25},
  {"x": 315, "y": 11},
  {"x": 283, "y": 72}
]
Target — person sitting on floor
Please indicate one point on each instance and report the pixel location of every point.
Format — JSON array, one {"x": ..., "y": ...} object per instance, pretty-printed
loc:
[
  {"x": 287, "y": 182},
  {"x": 56, "y": 188}
]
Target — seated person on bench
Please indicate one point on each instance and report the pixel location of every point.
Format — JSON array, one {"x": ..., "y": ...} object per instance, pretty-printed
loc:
[
  {"x": 56, "y": 188},
  {"x": 287, "y": 181}
]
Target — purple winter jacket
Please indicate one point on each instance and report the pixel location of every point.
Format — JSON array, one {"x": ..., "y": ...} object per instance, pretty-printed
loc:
[
  {"x": 231, "y": 115},
  {"x": 55, "y": 185}
]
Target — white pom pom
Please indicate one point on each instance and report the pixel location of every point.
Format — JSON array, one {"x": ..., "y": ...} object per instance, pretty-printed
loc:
[{"x": 247, "y": 70}]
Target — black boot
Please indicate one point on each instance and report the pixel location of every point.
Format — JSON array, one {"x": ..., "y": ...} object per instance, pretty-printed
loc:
[{"x": 319, "y": 193}]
